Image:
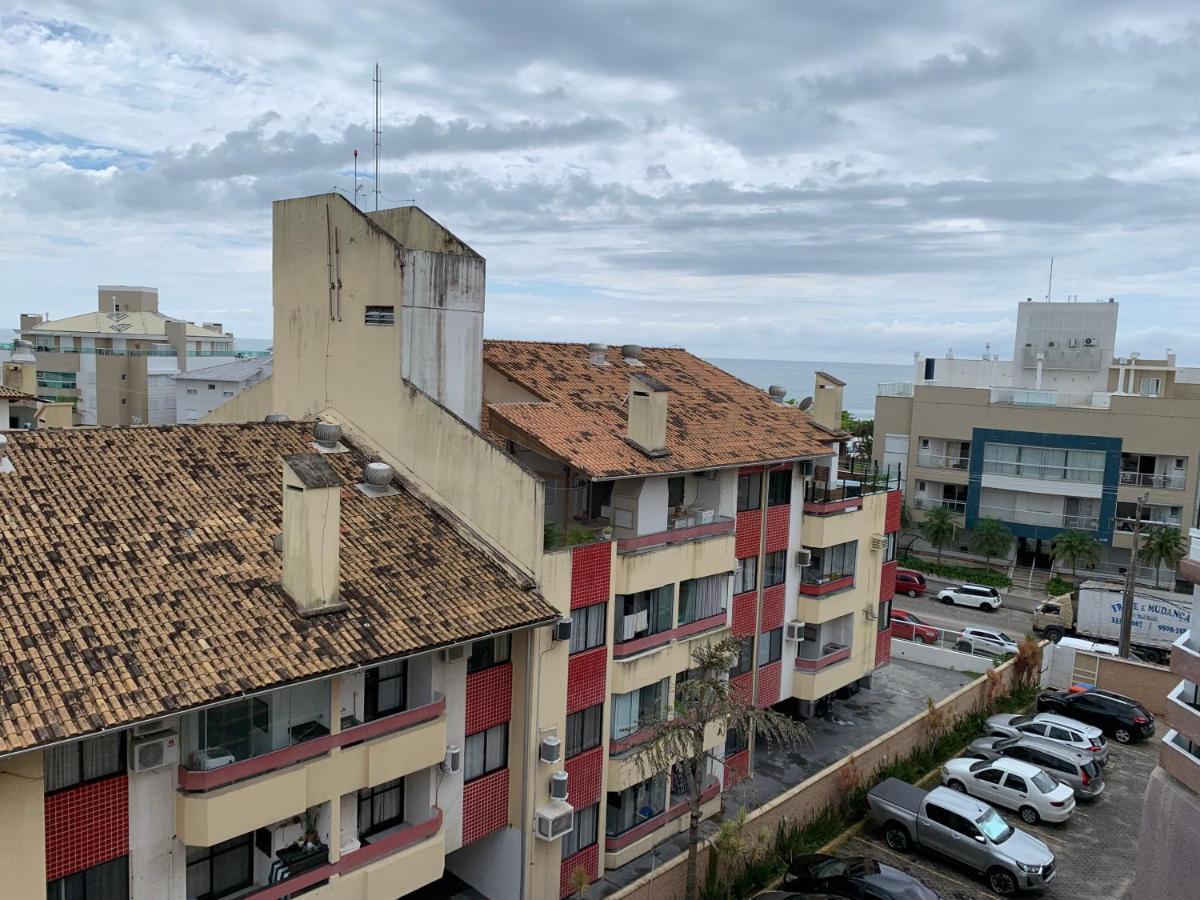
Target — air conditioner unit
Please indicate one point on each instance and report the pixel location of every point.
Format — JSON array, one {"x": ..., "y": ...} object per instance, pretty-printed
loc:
[
  {"x": 562, "y": 629},
  {"x": 1051, "y": 343},
  {"x": 158, "y": 725},
  {"x": 806, "y": 468},
  {"x": 1089, "y": 342},
  {"x": 450, "y": 654},
  {"x": 558, "y": 785},
  {"x": 794, "y": 630},
  {"x": 155, "y": 753},
  {"x": 553, "y": 820},
  {"x": 879, "y": 542},
  {"x": 451, "y": 763},
  {"x": 803, "y": 558},
  {"x": 551, "y": 749}
]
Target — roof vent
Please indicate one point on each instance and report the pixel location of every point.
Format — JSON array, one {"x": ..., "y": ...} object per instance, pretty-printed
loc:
[
  {"x": 6, "y": 465},
  {"x": 276, "y": 418},
  {"x": 777, "y": 392},
  {"x": 597, "y": 354},
  {"x": 377, "y": 480},
  {"x": 632, "y": 354},
  {"x": 327, "y": 437}
]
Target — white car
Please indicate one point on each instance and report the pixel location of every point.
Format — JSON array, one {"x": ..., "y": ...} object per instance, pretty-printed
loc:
[
  {"x": 1052, "y": 727},
  {"x": 977, "y": 595},
  {"x": 985, "y": 640},
  {"x": 1012, "y": 784}
]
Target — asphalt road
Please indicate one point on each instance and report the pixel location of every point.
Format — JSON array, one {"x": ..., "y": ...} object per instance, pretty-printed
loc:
[{"x": 1015, "y": 615}]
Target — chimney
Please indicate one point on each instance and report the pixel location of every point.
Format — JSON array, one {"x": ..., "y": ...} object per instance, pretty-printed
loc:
[
  {"x": 648, "y": 415},
  {"x": 20, "y": 372},
  {"x": 312, "y": 501},
  {"x": 30, "y": 321},
  {"x": 827, "y": 401},
  {"x": 177, "y": 338}
]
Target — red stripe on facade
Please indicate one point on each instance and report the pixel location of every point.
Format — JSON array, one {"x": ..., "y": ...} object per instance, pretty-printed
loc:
[
  {"x": 778, "y": 522},
  {"x": 642, "y": 644},
  {"x": 895, "y": 501},
  {"x": 586, "y": 684},
  {"x": 485, "y": 806},
  {"x": 829, "y": 587},
  {"x": 887, "y": 580},
  {"x": 749, "y": 533},
  {"x": 591, "y": 571},
  {"x": 585, "y": 772},
  {"x": 737, "y": 767},
  {"x": 768, "y": 683},
  {"x": 700, "y": 626},
  {"x": 772, "y": 609},
  {"x": 635, "y": 834},
  {"x": 823, "y": 508},
  {"x": 674, "y": 536},
  {"x": 489, "y": 698},
  {"x": 86, "y": 826},
  {"x": 743, "y": 614},
  {"x": 883, "y": 648},
  {"x": 588, "y": 859},
  {"x": 742, "y": 686}
]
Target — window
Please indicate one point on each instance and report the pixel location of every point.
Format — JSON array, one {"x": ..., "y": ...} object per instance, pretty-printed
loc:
[
  {"x": 124, "y": 376},
  {"x": 775, "y": 568},
  {"x": 107, "y": 881},
  {"x": 745, "y": 576},
  {"x": 587, "y": 627},
  {"x": 889, "y": 553},
  {"x": 749, "y": 489},
  {"x": 380, "y": 315},
  {"x": 601, "y": 497},
  {"x": 226, "y": 393},
  {"x": 700, "y": 598},
  {"x": 386, "y": 690},
  {"x": 585, "y": 832},
  {"x": 770, "y": 646},
  {"x": 584, "y": 729},
  {"x": 212, "y": 387},
  {"x": 380, "y": 807},
  {"x": 735, "y": 742},
  {"x": 885, "y": 615},
  {"x": 1050, "y": 463},
  {"x": 1061, "y": 734},
  {"x": 643, "y": 614},
  {"x": 779, "y": 488},
  {"x": 743, "y": 664},
  {"x": 675, "y": 491},
  {"x": 991, "y": 776},
  {"x": 191, "y": 392},
  {"x": 830, "y": 563},
  {"x": 1015, "y": 783},
  {"x": 489, "y": 652},
  {"x": 56, "y": 379},
  {"x": 82, "y": 761},
  {"x": 634, "y": 711},
  {"x": 222, "y": 869},
  {"x": 635, "y": 805},
  {"x": 487, "y": 752}
]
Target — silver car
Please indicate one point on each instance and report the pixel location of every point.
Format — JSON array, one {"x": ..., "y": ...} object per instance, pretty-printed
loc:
[
  {"x": 1077, "y": 769},
  {"x": 1059, "y": 729}
]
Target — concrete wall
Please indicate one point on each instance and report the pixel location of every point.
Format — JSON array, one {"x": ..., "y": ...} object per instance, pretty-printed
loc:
[
  {"x": 157, "y": 861},
  {"x": 23, "y": 826},
  {"x": 251, "y": 405}
]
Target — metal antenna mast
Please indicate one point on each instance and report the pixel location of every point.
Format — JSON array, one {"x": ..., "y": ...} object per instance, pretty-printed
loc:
[
  {"x": 1050, "y": 285},
  {"x": 378, "y": 81},
  {"x": 356, "y": 178}
]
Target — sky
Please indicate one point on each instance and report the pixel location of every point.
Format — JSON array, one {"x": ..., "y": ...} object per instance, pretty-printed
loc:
[{"x": 849, "y": 181}]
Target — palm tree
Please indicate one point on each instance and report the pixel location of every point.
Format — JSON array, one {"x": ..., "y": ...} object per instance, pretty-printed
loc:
[
  {"x": 1162, "y": 545},
  {"x": 939, "y": 528},
  {"x": 1075, "y": 548},
  {"x": 991, "y": 537}
]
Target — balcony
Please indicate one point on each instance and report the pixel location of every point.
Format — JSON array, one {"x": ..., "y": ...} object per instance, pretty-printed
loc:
[
  {"x": 1185, "y": 659},
  {"x": 894, "y": 389},
  {"x": 816, "y": 659},
  {"x": 1162, "y": 482},
  {"x": 1050, "y": 399},
  {"x": 1046, "y": 520},
  {"x": 682, "y": 530},
  {"x": 929, "y": 460},
  {"x": 1183, "y": 711},
  {"x": 958, "y": 507},
  {"x": 1181, "y": 760}
]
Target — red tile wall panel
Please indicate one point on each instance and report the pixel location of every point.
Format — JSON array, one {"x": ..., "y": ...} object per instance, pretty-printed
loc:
[
  {"x": 742, "y": 686},
  {"x": 743, "y": 614},
  {"x": 887, "y": 580},
  {"x": 895, "y": 500},
  {"x": 591, "y": 572},
  {"x": 778, "y": 520},
  {"x": 585, "y": 771},
  {"x": 748, "y": 537},
  {"x": 737, "y": 767},
  {"x": 489, "y": 697},
  {"x": 768, "y": 683},
  {"x": 589, "y": 859},
  {"x": 485, "y": 806},
  {"x": 883, "y": 648},
  {"x": 585, "y": 678},
  {"x": 86, "y": 826},
  {"x": 772, "y": 611}
]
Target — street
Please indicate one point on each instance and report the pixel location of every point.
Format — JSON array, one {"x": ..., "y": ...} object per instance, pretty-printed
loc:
[{"x": 1015, "y": 615}]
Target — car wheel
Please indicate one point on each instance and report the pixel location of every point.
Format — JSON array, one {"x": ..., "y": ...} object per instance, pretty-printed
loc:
[
  {"x": 1002, "y": 882},
  {"x": 917, "y": 639},
  {"x": 896, "y": 837},
  {"x": 912, "y": 593},
  {"x": 1029, "y": 815},
  {"x": 956, "y": 785},
  {"x": 1122, "y": 736},
  {"x": 947, "y": 600},
  {"x": 963, "y": 647}
]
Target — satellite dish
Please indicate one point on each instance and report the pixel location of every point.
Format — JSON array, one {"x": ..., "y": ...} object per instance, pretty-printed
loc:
[{"x": 805, "y": 404}]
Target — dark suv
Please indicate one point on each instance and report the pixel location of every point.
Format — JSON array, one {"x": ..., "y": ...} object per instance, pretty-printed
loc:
[{"x": 1120, "y": 717}]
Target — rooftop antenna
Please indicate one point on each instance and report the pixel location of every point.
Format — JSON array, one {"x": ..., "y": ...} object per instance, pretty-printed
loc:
[
  {"x": 356, "y": 178},
  {"x": 378, "y": 81},
  {"x": 1050, "y": 285}
]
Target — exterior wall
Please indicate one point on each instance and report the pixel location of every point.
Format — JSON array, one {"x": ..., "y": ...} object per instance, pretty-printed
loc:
[
  {"x": 191, "y": 408},
  {"x": 23, "y": 826},
  {"x": 86, "y": 825},
  {"x": 153, "y": 850},
  {"x": 253, "y": 404},
  {"x": 647, "y": 569}
]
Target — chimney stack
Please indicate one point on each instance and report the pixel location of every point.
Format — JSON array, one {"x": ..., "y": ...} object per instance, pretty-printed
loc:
[
  {"x": 648, "y": 415},
  {"x": 312, "y": 501},
  {"x": 20, "y": 372},
  {"x": 827, "y": 401},
  {"x": 177, "y": 338}
]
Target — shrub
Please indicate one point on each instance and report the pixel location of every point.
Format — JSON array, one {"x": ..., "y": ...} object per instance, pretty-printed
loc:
[
  {"x": 951, "y": 572},
  {"x": 1056, "y": 586}
]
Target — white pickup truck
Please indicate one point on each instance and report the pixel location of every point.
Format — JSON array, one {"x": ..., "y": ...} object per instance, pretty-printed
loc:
[{"x": 965, "y": 830}]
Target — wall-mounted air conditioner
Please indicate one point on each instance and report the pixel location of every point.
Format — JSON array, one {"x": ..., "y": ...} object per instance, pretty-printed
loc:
[
  {"x": 562, "y": 629},
  {"x": 558, "y": 785},
  {"x": 794, "y": 630},
  {"x": 550, "y": 749},
  {"x": 1089, "y": 342},
  {"x": 803, "y": 558},
  {"x": 879, "y": 542},
  {"x": 451, "y": 763},
  {"x": 144, "y": 728},
  {"x": 553, "y": 820},
  {"x": 155, "y": 752},
  {"x": 806, "y": 468}
]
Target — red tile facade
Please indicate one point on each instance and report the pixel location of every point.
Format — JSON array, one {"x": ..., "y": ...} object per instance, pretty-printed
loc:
[
  {"x": 887, "y": 580},
  {"x": 748, "y": 538},
  {"x": 585, "y": 678},
  {"x": 743, "y": 614},
  {"x": 489, "y": 698},
  {"x": 589, "y": 858},
  {"x": 737, "y": 767},
  {"x": 485, "y": 806},
  {"x": 591, "y": 571},
  {"x": 585, "y": 771},
  {"x": 895, "y": 501},
  {"x": 742, "y": 686},
  {"x": 768, "y": 683},
  {"x": 86, "y": 826},
  {"x": 772, "y": 608},
  {"x": 883, "y": 648},
  {"x": 778, "y": 520}
]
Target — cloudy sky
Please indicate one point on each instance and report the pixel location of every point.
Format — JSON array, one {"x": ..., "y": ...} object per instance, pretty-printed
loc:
[{"x": 765, "y": 179}]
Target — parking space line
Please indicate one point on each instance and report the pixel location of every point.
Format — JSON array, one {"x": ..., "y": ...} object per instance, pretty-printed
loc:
[{"x": 940, "y": 874}]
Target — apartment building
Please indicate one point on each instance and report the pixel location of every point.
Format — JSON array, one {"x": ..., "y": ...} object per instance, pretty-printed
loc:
[
  {"x": 117, "y": 364},
  {"x": 20, "y": 406},
  {"x": 198, "y": 393},
  {"x": 1065, "y": 435},
  {"x": 1167, "y": 864}
]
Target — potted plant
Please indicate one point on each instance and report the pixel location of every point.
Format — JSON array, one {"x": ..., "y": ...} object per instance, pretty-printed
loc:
[{"x": 311, "y": 838}]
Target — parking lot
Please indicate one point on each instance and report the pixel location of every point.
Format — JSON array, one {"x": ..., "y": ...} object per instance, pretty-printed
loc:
[{"x": 1096, "y": 849}]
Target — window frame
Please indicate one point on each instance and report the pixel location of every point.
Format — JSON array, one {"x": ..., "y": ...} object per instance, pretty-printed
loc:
[
  {"x": 747, "y": 501},
  {"x": 655, "y": 788},
  {"x": 80, "y": 888},
  {"x": 77, "y": 748},
  {"x": 583, "y": 721},
  {"x": 692, "y": 611},
  {"x": 497, "y": 641},
  {"x": 368, "y": 795},
  {"x": 645, "y": 699},
  {"x": 379, "y": 315},
  {"x": 372, "y": 679},
  {"x": 247, "y": 842},
  {"x": 774, "y": 568},
  {"x": 584, "y": 620},
  {"x": 660, "y": 609},
  {"x": 777, "y": 495},
  {"x": 744, "y": 663},
  {"x": 773, "y": 642},
  {"x": 676, "y": 491},
  {"x": 571, "y": 841},
  {"x": 488, "y": 736},
  {"x": 749, "y": 567}
]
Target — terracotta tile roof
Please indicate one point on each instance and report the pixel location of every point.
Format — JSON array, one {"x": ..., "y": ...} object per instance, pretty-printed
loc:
[
  {"x": 11, "y": 393},
  {"x": 713, "y": 418},
  {"x": 139, "y": 576}
]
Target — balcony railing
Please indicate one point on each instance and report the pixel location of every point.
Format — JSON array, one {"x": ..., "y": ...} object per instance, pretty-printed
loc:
[
  {"x": 942, "y": 461},
  {"x": 830, "y": 653},
  {"x": 958, "y": 507},
  {"x": 1166, "y": 482},
  {"x": 1126, "y": 523},
  {"x": 1048, "y": 520},
  {"x": 685, "y": 531},
  {"x": 1026, "y": 397},
  {"x": 894, "y": 389},
  {"x": 820, "y": 585}
]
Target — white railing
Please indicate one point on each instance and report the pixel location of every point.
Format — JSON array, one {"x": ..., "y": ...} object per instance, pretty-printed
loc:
[
  {"x": 946, "y": 639},
  {"x": 1029, "y": 397},
  {"x": 1031, "y": 517},
  {"x": 1042, "y": 471},
  {"x": 941, "y": 461},
  {"x": 1125, "y": 523},
  {"x": 1149, "y": 479},
  {"x": 894, "y": 389},
  {"x": 955, "y": 506}
]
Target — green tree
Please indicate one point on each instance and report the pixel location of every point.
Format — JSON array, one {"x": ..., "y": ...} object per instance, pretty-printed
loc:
[
  {"x": 1075, "y": 548},
  {"x": 939, "y": 528},
  {"x": 990, "y": 537},
  {"x": 677, "y": 743},
  {"x": 1162, "y": 545}
]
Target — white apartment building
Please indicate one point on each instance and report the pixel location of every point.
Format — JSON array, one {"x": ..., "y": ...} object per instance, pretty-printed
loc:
[{"x": 199, "y": 393}]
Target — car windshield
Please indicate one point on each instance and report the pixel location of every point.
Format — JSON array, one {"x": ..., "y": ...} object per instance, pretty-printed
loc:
[
  {"x": 982, "y": 764},
  {"x": 1044, "y": 782},
  {"x": 912, "y": 618},
  {"x": 1004, "y": 637},
  {"x": 997, "y": 830},
  {"x": 1020, "y": 720}
]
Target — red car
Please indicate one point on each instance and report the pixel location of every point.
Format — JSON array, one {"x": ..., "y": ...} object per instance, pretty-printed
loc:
[
  {"x": 909, "y": 582},
  {"x": 908, "y": 627}
]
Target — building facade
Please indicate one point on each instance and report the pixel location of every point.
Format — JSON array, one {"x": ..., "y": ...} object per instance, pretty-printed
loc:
[
  {"x": 1066, "y": 435},
  {"x": 198, "y": 393}
]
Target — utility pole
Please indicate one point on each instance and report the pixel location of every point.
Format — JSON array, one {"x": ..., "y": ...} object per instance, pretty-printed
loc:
[{"x": 1131, "y": 579}]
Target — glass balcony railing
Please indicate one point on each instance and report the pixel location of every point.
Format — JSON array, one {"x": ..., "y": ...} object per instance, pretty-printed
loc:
[
  {"x": 958, "y": 507},
  {"x": 942, "y": 461},
  {"x": 1050, "y": 520},
  {"x": 1168, "y": 482}
]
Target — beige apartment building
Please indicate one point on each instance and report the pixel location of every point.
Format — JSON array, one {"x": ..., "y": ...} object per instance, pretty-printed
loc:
[{"x": 1066, "y": 435}]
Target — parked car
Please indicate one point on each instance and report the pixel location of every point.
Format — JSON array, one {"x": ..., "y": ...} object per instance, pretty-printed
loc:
[
  {"x": 1058, "y": 729},
  {"x": 908, "y": 627},
  {"x": 1076, "y": 769},
  {"x": 910, "y": 582},
  {"x": 963, "y": 828},
  {"x": 985, "y": 640},
  {"x": 1012, "y": 784},
  {"x": 854, "y": 876},
  {"x": 1122, "y": 717},
  {"x": 977, "y": 595}
]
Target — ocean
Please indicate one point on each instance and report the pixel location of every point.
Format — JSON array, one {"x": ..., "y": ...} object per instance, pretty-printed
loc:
[{"x": 797, "y": 376}]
